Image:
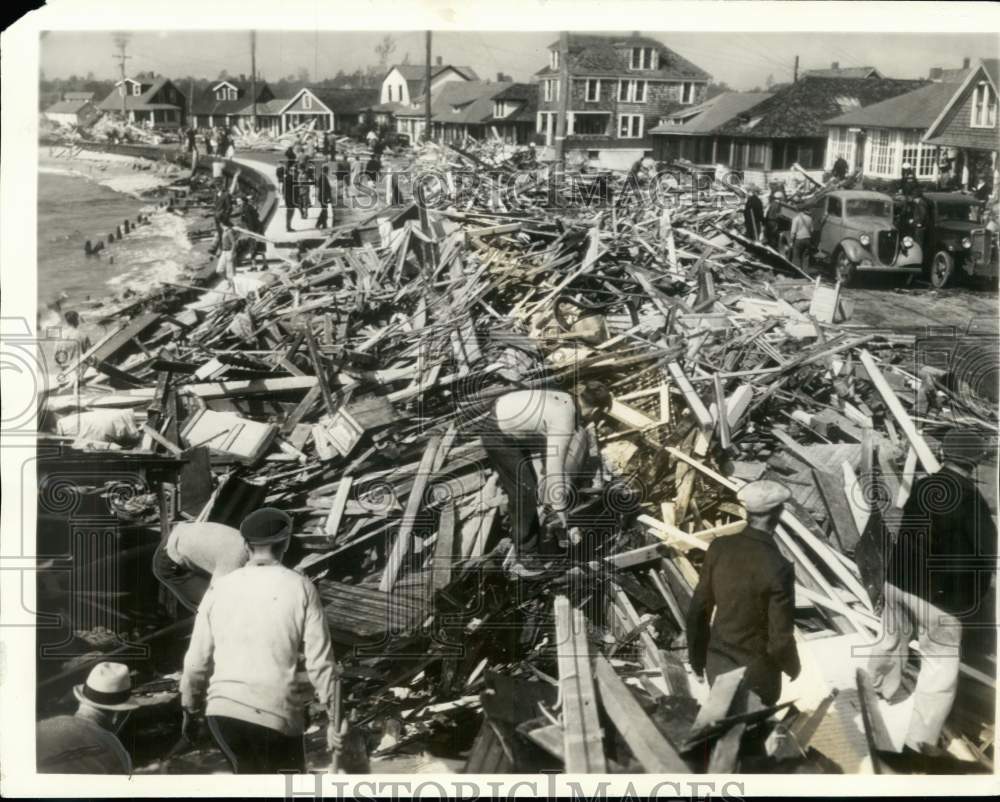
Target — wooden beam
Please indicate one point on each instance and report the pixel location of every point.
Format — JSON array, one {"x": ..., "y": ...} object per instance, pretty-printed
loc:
[
  {"x": 333, "y": 520},
  {"x": 694, "y": 402},
  {"x": 444, "y": 548},
  {"x": 582, "y": 738},
  {"x": 716, "y": 707},
  {"x": 650, "y": 748},
  {"x": 403, "y": 539},
  {"x": 924, "y": 453}
]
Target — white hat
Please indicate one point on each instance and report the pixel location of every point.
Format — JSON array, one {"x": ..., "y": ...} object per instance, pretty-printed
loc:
[
  {"x": 763, "y": 495},
  {"x": 108, "y": 687}
]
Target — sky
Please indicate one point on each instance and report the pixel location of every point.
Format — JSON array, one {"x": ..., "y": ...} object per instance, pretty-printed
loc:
[{"x": 743, "y": 61}]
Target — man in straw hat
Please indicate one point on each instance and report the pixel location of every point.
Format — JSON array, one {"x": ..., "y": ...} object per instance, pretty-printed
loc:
[
  {"x": 751, "y": 588},
  {"x": 250, "y": 628},
  {"x": 86, "y": 743},
  {"x": 938, "y": 581}
]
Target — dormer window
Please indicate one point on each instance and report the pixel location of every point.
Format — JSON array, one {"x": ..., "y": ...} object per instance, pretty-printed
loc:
[
  {"x": 498, "y": 108},
  {"x": 643, "y": 58},
  {"x": 554, "y": 59}
]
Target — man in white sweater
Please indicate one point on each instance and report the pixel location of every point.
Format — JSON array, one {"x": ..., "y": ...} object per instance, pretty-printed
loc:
[{"x": 250, "y": 629}]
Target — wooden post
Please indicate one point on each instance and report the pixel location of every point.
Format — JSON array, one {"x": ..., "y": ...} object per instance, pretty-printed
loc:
[{"x": 564, "y": 93}]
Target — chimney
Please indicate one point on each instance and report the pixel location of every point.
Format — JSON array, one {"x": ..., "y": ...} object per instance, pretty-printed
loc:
[
  {"x": 438, "y": 61},
  {"x": 835, "y": 65},
  {"x": 935, "y": 73},
  {"x": 966, "y": 62},
  {"x": 499, "y": 77}
]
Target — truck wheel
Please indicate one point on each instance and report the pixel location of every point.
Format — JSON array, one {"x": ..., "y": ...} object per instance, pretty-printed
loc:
[
  {"x": 846, "y": 269},
  {"x": 942, "y": 270}
]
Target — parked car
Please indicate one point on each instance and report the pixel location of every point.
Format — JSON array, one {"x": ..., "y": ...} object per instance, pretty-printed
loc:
[
  {"x": 957, "y": 243},
  {"x": 853, "y": 231}
]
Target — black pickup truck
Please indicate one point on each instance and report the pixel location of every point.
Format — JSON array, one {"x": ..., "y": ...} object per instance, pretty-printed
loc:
[{"x": 957, "y": 242}]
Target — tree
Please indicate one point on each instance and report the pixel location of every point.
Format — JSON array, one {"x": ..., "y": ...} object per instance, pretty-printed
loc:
[
  {"x": 716, "y": 89},
  {"x": 223, "y": 74},
  {"x": 384, "y": 49},
  {"x": 769, "y": 82},
  {"x": 302, "y": 75},
  {"x": 406, "y": 58}
]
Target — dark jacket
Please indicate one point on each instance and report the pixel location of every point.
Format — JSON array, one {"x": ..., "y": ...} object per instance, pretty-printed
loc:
[
  {"x": 223, "y": 206},
  {"x": 751, "y": 588},
  {"x": 285, "y": 174},
  {"x": 947, "y": 543},
  {"x": 753, "y": 216}
]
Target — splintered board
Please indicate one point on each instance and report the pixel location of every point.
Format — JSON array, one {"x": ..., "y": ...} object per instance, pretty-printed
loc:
[{"x": 228, "y": 433}]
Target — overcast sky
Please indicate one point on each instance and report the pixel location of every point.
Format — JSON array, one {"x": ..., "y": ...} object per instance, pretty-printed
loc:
[{"x": 741, "y": 60}]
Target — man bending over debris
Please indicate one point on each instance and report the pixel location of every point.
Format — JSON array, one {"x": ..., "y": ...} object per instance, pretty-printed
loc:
[
  {"x": 244, "y": 650},
  {"x": 545, "y": 420},
  {"x": 194, "y": 553},
  {"x": 753, "y": 587}
]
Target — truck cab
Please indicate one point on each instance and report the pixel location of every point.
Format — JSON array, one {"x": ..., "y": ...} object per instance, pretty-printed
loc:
[{"x": 957, "y": 242}]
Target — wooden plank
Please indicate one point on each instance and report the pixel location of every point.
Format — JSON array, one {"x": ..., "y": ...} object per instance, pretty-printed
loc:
[
  {"x": 726, "y": 751},
  {"x": 650, "y": 748},
  {"x": 303, "y": 408},
  {"x": 332, "y": 525},
  {"x": 694, "y": 402},
  {"x": 840, "y": 515},
  {"x": 629, "y": 416},
  {"x": 404, "y": 537},
  {"x": 582, "y": 738},
  {"x": 909, "y": 475},
  {"x": 892, "y": 402},
  {"x": 444, "y": 548},
  {"x": 720, "y": 699},
  {"x": 876, "y": 733},
  {"x": 639, "y": 556},
  {"x": 723, "y": 422},
  {"x": 109, "y": 346},
  {"x": 208, "y": 391}
]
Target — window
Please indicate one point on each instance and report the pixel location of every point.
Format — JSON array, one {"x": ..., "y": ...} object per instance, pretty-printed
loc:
[
  {"x": 881, "y": 153},
  {"x": 630, "y": 126},
  {"x": 840, "y": 146},
  {"x": 554, "y": 59},
  {"x": 136, "y": 89},
  {"x": 590, "y": 124},
  {"x": 922, "y": 157},
  {"x": 632, "y": 91},
  {"x": 869, "y": 207},
  {"x": 231, "y": 94},
  {"x": 307, "y": 101},
  {"x": 687, "y": 93},
  {"x": 551, "y": 89},
  {"x": 593, "y": 89},
  {"x": 757, "y": 154},
  {"x": 984, "y": 106},
  {"x": 643, "y": 58},
  {"x": 497, "y": 108},
  {"x": 834, "y": 207}
]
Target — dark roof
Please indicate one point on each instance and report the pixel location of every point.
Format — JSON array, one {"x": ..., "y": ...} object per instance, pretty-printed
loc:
[
  {"x": 709, "y": 115},
  {"x": 461, "y": 102},
  {"x": 68, "y": 107},
  {"x": 526, "y": 94},
  {"x": 600, "y": 55},
  {"x": 113, "y": 102},
  {"x": 346, "y": 101},
  {"x": 916, "y": 109},
  {"x": 206, "y": 103},
  {"x": 844, "y": 72},
  {"x": 802, "y": 109},
  {"x": 78, "y": 96}
]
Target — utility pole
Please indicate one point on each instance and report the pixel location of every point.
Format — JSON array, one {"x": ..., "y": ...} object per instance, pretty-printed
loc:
[
  {"x": 427, "y": 89},
  {"x": 253, "y": 79},
  {"x": 563, "y": 89},
  {"x": 122, "y": 58},
  {"x": 795, "y": 72}
]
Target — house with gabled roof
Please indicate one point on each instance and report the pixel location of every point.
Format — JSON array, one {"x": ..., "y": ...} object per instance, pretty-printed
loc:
[
  {"x": 477, "y": 109},
  {"x": 72, "y": 112},
  {"x": 789, "y": 126},
  {"x": 227, "y": 101},
  {"x": 620, "y": 85},
  {"x": 688, "y": 132},
  {"x": 836, "y": 71},
  {"x": 968, "y": 125},
  {"x": 880, "y": 138},
  {"x": 405, "y": 82},
  {"x": 151, "y": 102}
]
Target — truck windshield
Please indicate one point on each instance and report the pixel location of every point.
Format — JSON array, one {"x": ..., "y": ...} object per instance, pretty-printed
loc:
[
  {"x": 868, "y": 207},
  {"x": 961, "y": 212}
]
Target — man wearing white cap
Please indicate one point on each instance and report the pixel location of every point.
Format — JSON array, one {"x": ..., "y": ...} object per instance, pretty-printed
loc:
[
  {"x": 751, "y": 588},
  {"x": 86, "y": 743},
  {"x": 250, "y": 628}
]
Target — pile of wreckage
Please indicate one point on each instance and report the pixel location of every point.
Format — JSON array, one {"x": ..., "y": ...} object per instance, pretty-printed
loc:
[{"x": 344, "y": 386}]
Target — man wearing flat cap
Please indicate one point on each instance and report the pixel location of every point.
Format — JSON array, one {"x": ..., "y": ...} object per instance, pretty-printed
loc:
[
  {"x": 241, "y": 665},
  {"x": 751, "y": 588},
  {"x": 939, "y": 577},
  {"x": 87, "y": 742}
]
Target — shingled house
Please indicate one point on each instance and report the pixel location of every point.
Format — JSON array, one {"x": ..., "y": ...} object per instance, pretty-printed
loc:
[
  {"x": 620, "y": 87},
  {"x": 147, "y": 102},
  {"x": 789, "y": 127},
  {"x": 687, "y": 133},
  {"x": 969, "y": 126},
  {"x": 228, "y": 101}
]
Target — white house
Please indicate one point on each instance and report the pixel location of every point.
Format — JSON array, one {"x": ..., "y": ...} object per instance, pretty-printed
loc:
[
  {"x": 404, "y": 83},
  {"x": 72, "y": 112}
]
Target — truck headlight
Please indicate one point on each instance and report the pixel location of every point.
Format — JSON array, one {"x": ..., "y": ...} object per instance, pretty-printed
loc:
[
  {"x": 966, "y": 243},
  {"x": 907, "y": 242},
  {"x": 865, "y": 240}
]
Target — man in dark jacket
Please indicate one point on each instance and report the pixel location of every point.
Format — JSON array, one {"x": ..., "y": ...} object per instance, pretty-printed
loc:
[
  {"x": 751, "y": 588},
  {"x": 286, "y": 180},
  {"x": 222, "y": 210},
  {"x": 938, "y": 573},
  {"x": 753, "y": 214},
  {"x": 324, "y": 195}
]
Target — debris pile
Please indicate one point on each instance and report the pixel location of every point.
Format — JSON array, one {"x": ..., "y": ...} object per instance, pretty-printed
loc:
[{"x": 344, "y": 386}]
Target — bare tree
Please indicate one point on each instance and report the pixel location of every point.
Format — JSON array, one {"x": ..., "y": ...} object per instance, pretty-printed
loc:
[
  {"x": 302, "y": 75},
  {"x": 384, "y": 49}
]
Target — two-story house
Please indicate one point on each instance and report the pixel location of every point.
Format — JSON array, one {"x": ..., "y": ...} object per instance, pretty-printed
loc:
[
  {"x": 619, "y": 87},
  {"x": 969, "y": 125},
  {"x": 147, "y": 102}
]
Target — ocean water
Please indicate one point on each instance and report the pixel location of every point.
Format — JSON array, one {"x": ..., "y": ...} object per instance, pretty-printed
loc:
[{"x": 72, "y": 209}]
